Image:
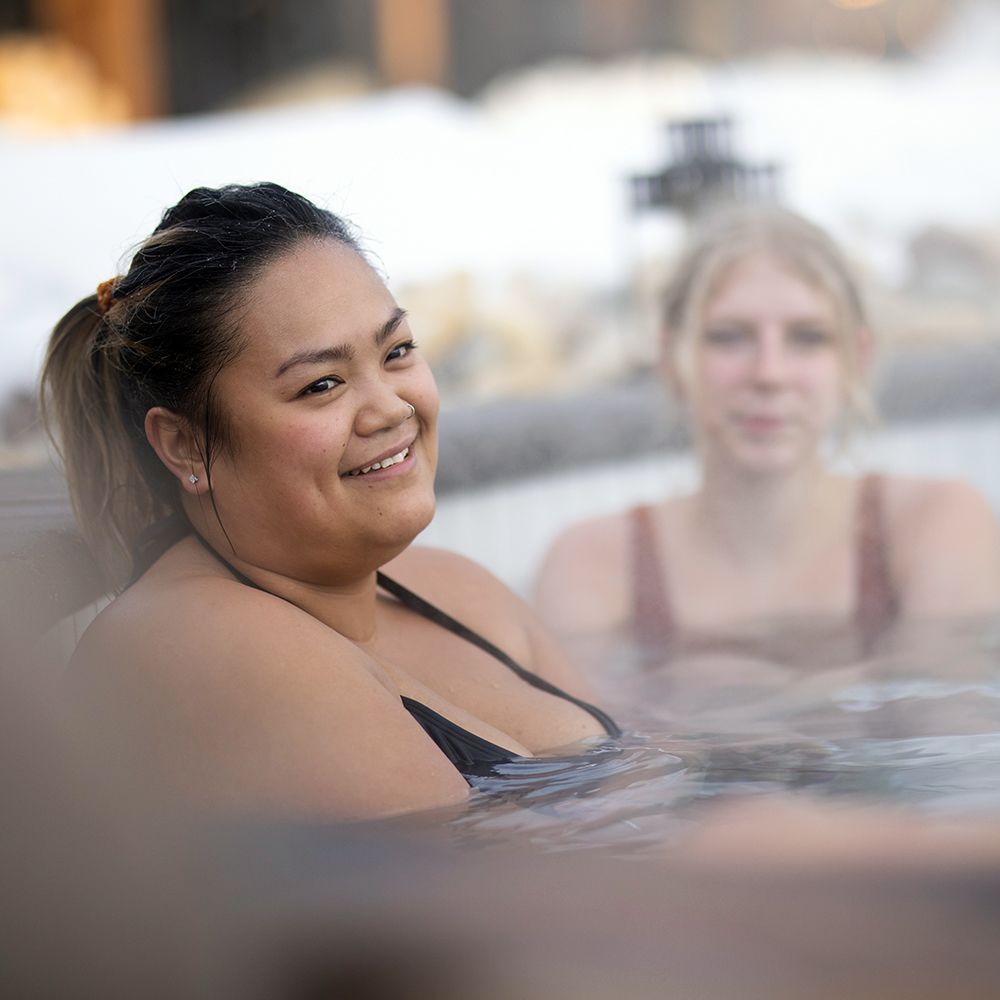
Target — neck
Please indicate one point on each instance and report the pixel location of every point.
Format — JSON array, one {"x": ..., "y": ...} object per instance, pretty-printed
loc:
[
  {"x": 345, "y": 604},
  {"x": 754, "y": 517},
  {"x": 348, "y": 608}
]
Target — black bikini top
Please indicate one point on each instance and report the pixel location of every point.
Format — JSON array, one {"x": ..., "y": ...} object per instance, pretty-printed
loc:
[
  {"x": 472, "y": 755},
  {"x": 425, "y": 609}
]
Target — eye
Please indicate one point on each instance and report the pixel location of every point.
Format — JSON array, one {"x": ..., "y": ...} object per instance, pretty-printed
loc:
[
  {"x": 810, "y": 336},
  {"x": 401, "y": 350},
  {"x": 322, "y": 385},
  {"x": 726, "y": 336}
]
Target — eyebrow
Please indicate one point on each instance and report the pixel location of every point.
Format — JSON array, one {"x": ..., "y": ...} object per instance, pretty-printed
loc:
[
  {"x": 802, "y": 318},
  {"x": 341, "y": 352}
]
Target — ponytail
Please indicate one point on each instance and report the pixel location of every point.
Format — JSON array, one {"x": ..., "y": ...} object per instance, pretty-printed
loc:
[
  {"x": 81, "y": 402},
  {"x": 159, "y": 335}
]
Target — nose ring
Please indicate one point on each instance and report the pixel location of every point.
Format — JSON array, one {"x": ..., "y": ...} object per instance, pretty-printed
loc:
[{"x": 413, "y": 411}]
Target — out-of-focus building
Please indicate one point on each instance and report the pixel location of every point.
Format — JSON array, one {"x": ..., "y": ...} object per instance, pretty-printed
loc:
[
  {"x": 66, "y": 64},
  {"x": 74, "y": 61}
]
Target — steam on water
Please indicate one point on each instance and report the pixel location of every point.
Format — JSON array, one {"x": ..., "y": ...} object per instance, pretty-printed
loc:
[{"x": 920, "y": 731}]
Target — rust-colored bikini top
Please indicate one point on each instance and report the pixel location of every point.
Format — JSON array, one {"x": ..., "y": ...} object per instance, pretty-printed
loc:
[{"x": 876, "y": 601}]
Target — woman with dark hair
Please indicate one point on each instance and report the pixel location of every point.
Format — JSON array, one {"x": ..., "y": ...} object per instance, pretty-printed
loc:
[{"x": 250, "y": 437}]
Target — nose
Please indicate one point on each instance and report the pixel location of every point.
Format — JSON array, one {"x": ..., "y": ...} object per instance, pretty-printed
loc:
[
  {"x": 770, "y": 360},
  {"x": 381, "y": 409}
]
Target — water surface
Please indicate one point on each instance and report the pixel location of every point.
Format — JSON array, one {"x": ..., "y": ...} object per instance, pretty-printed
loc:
[{"x": 916, "y": 726}]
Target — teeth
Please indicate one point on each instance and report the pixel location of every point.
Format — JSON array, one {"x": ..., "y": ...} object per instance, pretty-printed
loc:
[{"x": 384, "y": 464}]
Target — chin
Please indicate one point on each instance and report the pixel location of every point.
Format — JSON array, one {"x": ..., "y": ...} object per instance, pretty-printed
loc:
[
  {"x": 772, "y": 454},
  {"x": 772, "y": 462},
  {"x": 427, "y": 515},
  {"x": 414, "y": 519}
]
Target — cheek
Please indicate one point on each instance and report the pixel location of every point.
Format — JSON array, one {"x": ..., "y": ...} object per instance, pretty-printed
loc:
[
  {"x": 824, "y": 395},
  {"x": 298, "y": 442},
  {"x": 826, "y": 381},
  {"x": 714, "y": 375},
  {"x": 424, "y": 391}
]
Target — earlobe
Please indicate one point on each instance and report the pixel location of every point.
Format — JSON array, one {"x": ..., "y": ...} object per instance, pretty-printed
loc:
[{"x": 171, "y": 437}]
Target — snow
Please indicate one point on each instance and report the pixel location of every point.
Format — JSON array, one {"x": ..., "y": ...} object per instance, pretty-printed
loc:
[{"x": 528, "y": 180}]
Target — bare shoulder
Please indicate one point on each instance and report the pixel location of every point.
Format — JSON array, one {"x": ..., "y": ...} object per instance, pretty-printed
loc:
[
  {"x": 914, "y": 501},
  {"x": 944, "y": 545},
  {"x": 470, "y": 593},
  {"x": 250, "y": 704},
  {"x": 183, "y": 624},
  {"x": 466, "y": 590},
  {"x": 582, "y": 583},
  {"x": 204, "y": 646},
  {"x": 441, "y": 573},
  {"x": 932, "y": 514}
]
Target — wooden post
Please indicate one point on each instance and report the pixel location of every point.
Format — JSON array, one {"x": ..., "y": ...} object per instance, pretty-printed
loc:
[
  {"x": 412, "y": 41},
  {"x": 125, "y": 39}
]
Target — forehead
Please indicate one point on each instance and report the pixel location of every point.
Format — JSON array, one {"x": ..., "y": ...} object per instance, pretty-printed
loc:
[
  {"x": 317, "y": 294},
  {"x": 762, "y": 282}
]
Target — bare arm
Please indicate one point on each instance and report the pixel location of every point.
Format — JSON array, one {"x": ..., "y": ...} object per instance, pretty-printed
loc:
[{"x": 249, "y": 706}]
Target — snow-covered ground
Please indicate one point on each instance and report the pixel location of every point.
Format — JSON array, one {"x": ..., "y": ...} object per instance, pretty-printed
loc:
[{"x": 530, "y": 179}]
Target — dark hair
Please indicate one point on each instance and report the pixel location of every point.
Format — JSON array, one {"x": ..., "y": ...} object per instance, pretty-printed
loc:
[{"x": 170, "y": 326}]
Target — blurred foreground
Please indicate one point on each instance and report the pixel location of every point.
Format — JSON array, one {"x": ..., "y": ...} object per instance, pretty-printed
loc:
[{"x": 113, "y": 891}]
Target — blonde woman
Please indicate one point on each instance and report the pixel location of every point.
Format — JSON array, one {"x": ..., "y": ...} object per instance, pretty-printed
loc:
[{"x": 767, "y": 346}]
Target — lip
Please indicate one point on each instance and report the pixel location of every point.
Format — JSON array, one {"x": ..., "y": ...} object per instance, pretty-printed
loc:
[
  {"x": 396, "y": 469},
  {"x": 761, "y": 424}
]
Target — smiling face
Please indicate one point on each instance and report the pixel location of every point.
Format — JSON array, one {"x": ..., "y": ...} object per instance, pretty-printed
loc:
[
  {"x": 329, "y": 384},
  {"x": 765, "y": 378}
]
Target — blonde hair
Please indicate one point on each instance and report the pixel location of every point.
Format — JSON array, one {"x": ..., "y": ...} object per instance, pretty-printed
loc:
[{"x": 807, "y": 251}]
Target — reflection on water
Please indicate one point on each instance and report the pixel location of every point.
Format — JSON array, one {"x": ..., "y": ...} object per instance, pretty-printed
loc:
[{"x": 918, "y": 726}]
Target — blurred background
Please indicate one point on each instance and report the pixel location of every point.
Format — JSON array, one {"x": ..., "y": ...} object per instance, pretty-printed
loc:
[{"x": 522, "y": 172}]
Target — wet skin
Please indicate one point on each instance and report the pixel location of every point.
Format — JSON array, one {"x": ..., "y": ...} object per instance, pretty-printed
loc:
[{"x": 286, "y": 699}]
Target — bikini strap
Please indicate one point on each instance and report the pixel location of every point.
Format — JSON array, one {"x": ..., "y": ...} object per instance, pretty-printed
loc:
[
  {"x": 425, "y": 609},
  {"x": 652, "y": 619},
  {"x": 876, "y": 600}
]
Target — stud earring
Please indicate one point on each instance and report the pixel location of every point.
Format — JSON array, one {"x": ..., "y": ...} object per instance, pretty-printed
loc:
[{"x": 193, "y": 479}]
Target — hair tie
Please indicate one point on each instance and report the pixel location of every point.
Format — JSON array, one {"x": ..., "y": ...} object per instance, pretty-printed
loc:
[{"x": 105, "y": 293}]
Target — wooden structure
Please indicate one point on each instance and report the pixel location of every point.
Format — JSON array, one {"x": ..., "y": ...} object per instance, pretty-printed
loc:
[
  {"x": 172, "y": 56},
  {"x": 412, "y": 41},
  {"x": 125, "y": 39}
]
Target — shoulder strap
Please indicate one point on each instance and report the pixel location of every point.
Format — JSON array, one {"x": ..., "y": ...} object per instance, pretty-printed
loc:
[
  {"x": 425, "y": 609},
  {"x": 408, "y": 599},
  {"x": 876, "y": 601},
  {"x": 652, "y": 618}
]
